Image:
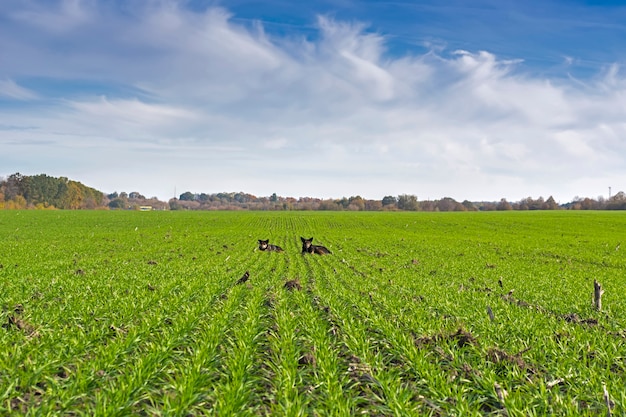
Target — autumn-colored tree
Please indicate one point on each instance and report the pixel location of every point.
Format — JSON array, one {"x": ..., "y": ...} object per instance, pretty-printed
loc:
[
  {"x": 73, "y": 197},
  {"x": 17, "y": 203},
  {"x": 356, "y": 203}
]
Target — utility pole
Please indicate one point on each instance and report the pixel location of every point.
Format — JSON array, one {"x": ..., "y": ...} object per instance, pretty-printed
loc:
[{"x": 609, "y": 193}]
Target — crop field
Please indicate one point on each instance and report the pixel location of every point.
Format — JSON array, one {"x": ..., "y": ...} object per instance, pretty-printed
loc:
[{"x": 122, "y": 313}]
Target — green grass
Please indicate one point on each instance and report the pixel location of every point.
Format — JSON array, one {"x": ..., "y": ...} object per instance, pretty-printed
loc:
[{"x": 138, "y": 313}]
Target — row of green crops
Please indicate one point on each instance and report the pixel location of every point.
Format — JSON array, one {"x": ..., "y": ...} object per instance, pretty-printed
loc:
[{"x": 141, "y": 313}]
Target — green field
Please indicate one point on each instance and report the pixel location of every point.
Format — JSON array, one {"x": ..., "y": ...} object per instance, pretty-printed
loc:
[{"x": 140, "y": 313}]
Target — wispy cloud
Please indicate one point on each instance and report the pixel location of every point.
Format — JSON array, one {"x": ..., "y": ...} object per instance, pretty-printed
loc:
[
  {"x": 10, "y": 89},
  {"x": 55, "y": 17}
]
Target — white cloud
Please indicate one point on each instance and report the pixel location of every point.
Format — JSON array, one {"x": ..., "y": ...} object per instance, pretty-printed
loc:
[{"x": 212, "y": 102}]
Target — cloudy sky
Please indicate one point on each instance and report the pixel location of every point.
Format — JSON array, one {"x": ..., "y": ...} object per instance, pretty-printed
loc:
[{"x": 497, "y": 99}]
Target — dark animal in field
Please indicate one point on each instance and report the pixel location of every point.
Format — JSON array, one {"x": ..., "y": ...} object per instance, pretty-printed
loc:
[
  {"x": 265, "y": 245},
  {"x": 244, "y": 278},
  {"x": 309, "y": 247}
]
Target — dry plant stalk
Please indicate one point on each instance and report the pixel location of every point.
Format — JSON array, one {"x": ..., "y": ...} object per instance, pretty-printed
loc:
[
  {"x": 597, "y": 295},
  {"x": 607, "y": 401}
]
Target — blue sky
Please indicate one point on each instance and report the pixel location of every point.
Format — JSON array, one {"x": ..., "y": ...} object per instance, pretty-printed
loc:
[{"x": 476, "y": 100}]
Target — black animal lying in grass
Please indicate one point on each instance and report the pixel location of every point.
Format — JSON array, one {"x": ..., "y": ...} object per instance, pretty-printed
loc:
[
  {"x": 265, "y": 245},
  {"x": 309, "y": 247},
  {"x": 244, "y": 278}
]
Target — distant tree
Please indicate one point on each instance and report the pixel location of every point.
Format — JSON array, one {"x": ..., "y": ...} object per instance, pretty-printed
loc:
[
  {"x": 175, "y": 204},
  {"x": 356, "y": 203},
  {"x": 617, "y": 202},
  {"x": 574, "y": 204},
  {"x": 244, "y": 198},
  {"x": 187, "y": 196},
  {"x": 550, "y": 204},
  {"x": 373, "y": 205},
  {"x": 537, "y": 204},
  {"x": 13, "y": 186},
  {"x": 524, "y": 204},
  {"x": 408, "y": 202},
  {"x": 225, "y": 197},
  {"x": 529, "y": 204},
  {"x": 488, "y": 206},
  {"x": 329, "y": 205},
  {"x": 389, "y": 200},
  {"x": 18, "y": 202},
  {"x": 74, "y": 196},
  {"x": 449, "y": 204},
  {"x": 504, "y": 205},
  {"x": 117, "y": 203},
  {"x": 469, "y": 206},
  {"x": 589, "y": 204},
  {"x": 427, "y": 205},
  {"x": 41, "y": 189}
]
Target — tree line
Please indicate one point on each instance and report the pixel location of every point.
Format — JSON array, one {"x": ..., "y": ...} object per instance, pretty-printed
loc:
[
  {"x": 403, "y": 202},
  {"x": 44, "y": 192}
]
